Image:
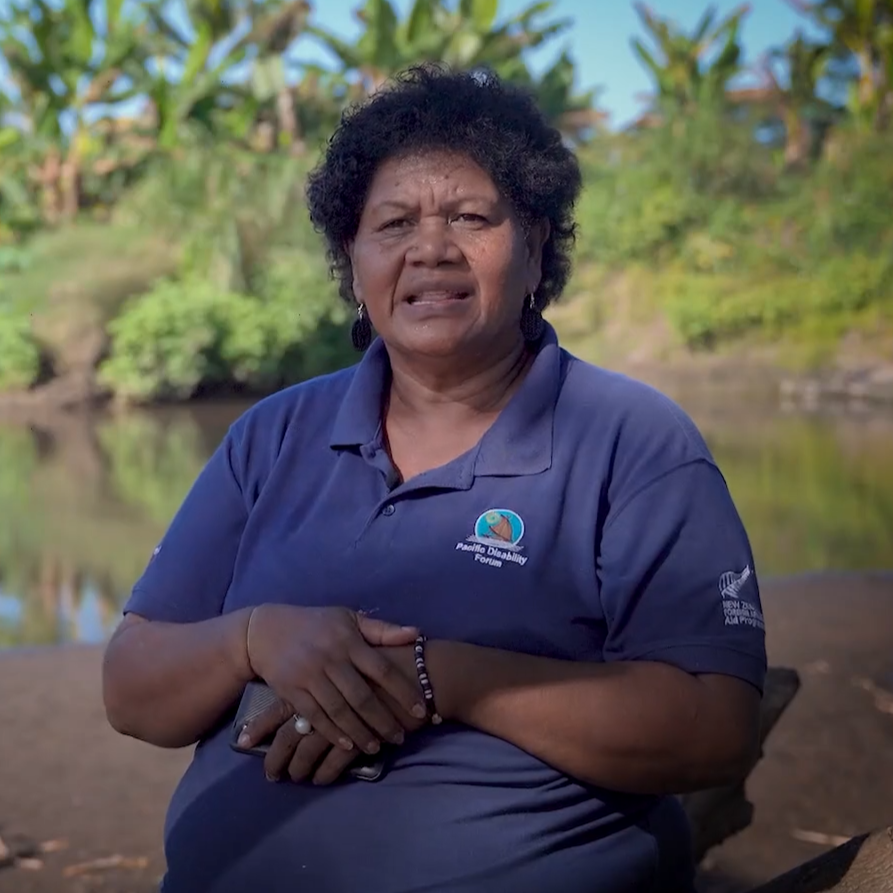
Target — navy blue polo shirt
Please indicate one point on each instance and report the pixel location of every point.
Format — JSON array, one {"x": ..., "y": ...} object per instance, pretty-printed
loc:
[{"x": 589, "y": 523}]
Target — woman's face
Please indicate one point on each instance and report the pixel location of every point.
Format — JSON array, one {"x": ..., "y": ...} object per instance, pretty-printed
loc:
[{"x": 440, "y": 260}]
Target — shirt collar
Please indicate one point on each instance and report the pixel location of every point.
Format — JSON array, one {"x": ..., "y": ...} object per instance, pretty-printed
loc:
[{"x": 518, "y": 443}]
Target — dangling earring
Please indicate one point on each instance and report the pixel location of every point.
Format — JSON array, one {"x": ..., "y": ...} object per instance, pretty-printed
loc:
[
  {"x": 361, "y": 330},
  {"x": 531, "y": 320}
]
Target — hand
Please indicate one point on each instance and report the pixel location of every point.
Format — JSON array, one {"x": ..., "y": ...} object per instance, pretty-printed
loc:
[
  {"x": 303, "y": 756},
  {"x": 320, "y": 662}
]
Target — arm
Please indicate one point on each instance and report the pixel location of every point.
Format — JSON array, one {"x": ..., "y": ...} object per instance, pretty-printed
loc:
[
  {"x": 176, "y": 663},
  {"x": 637, "y": 726},
  {"x": 169, "y": 683},
  {"x": 675, "y": 705}
]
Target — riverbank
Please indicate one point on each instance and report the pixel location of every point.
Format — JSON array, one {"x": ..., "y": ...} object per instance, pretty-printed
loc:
[
  {"x": 619, "y": 321},
  {"x": 97, "y": 800},
  {"x": 109, "y": 309},
  {"x": 850, "y": 381}
]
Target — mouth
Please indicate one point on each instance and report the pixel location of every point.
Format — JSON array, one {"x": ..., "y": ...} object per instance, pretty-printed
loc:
[{"x": 431, "y": 298}]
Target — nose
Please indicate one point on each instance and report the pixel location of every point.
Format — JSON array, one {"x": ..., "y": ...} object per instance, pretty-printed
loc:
[{"x": 433, "y": 244}]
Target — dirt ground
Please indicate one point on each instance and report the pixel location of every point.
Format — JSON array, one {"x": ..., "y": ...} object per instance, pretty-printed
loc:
[{"x": 96, "y": 801}]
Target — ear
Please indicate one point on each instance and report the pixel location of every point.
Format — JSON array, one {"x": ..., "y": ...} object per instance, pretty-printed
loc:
[
  {"x": 537, "y": 237},
  {"x": 355, "y": 286}
]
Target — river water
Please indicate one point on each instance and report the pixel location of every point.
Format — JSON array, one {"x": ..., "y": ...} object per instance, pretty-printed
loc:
[{"x": 83, "y": 500}]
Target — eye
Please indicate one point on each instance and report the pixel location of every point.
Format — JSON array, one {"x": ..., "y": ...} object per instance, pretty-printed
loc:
[
  {"x": 396, "y": 223},
  {"x": 468, "y": 217}
]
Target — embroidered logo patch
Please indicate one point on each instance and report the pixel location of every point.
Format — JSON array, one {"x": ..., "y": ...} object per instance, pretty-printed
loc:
[
  {"x": 730, "y": 583},
  {"x": 738, "y": 611},
  {"x": 496, "y": 539}
]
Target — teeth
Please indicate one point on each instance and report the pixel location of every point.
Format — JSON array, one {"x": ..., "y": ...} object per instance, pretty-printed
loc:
[{"x": 435, "y": 297}]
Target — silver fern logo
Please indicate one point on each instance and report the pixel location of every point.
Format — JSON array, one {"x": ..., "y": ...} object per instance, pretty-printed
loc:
[
  {"x": 736, "y": 610},
  {"x": 731, "y": 583}
]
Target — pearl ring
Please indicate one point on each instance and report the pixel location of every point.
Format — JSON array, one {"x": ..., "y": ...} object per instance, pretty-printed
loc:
[{"x": 302, "y": 725}]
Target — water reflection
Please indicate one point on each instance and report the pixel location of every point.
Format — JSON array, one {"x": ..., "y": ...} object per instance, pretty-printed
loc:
[{"x": 84, "y": 502}]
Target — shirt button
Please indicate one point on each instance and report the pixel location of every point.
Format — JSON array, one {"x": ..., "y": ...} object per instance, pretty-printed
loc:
[{"x": 388, "y": 509}]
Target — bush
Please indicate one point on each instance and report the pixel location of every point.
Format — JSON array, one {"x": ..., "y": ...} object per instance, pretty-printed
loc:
[
  {"x": 252, "y": 306},
  {"x": 20, "y": 355},
  {"x": 726, "y": 246},
  {"x": 738, "y": 246},
  {"x": 190, "y": 335},
  {"x": 707, "y": 309},
  {"x": 168, "y": 341}
]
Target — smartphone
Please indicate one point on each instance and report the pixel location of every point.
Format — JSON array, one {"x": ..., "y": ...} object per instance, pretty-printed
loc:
[{"x": 256, "y": 698}]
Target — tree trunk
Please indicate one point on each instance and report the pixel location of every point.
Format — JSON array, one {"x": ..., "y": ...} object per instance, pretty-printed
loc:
[
  {"x": 70, "y": 187},
  {"x": 867, "y": 88},
  {"x": 288, "y": 120},
  {"x": 862, "y": 865},
  {"x": 798, "y": 142},
  {"x": 47, "y": 177}
]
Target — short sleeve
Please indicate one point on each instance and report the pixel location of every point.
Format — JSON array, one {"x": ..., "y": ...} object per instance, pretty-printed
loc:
[
  {"x": 190, "y": 571},
  {"x": 677, "y": 578}
]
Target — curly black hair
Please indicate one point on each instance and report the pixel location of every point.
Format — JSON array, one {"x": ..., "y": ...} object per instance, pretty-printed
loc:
[{"x": 496, "y": 124}]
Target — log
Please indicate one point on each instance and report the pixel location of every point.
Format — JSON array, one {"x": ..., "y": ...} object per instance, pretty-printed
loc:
[
  {"x": 717, "y": 814},
  {"x": 861, "y": 865}
]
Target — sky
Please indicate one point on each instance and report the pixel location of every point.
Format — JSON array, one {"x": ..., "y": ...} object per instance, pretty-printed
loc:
[{"x": 599, "y": 42}]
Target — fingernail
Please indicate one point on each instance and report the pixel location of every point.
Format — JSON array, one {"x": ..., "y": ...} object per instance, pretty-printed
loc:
[
  {"x": 374, "y": 747},
  {"x": 398, "y": 738},
  {"x": 409, "y": 629},
  {"x": 419, "y": 711},
  {"x": 346, "y": 743},
  {"x": 244, "y": 739},
  {"x": 270, "y": 777}
]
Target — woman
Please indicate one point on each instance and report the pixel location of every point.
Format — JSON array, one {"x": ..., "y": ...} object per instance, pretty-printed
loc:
[{"x": 560, "y": 534}]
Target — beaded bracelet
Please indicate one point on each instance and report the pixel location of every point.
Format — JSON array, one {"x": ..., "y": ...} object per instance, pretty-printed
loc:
[{"x": 425, "y": 682}]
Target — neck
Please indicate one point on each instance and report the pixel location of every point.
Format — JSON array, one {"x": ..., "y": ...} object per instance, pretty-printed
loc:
[{"x": 473, "y": 386}]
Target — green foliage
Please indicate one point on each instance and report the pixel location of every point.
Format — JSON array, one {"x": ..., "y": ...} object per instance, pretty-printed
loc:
[
  {"x": 466, "y": 34},
  {"x": 646, "y": 194},
  {"x": 861, "y": 32},
  {"x": 684, "y": 80},
  {"x": 14, "y": 259},
  {"x": 848, "y": 200},
  {"x": 706, "y": 309},
  {"x": 740, "y": 246},
  {"x": 199, "y": 269},
  {"x": 205, "y": 70},
  {"x": 19, "y": 351},
  {"x": 189, "y": 334},
  {"x": 171, "y": 339},
  {"x": 252, "y": 307}
]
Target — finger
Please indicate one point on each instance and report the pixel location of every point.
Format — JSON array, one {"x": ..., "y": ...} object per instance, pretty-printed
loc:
[
  {"x": 410, "y": 723},
  {"x": 262, "y": 726},
  {"x": 406, "y": 692},
  {"x": 281, "y": 750},
  {"x": 307, "y": 755},
  {"x": 330, "y": 704},
  {"x": 309, "y": 707},
  {"x": 332, "y": 766},
  {"x": 379, "y": 632},
  {"x": 365, "y": 704}
]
